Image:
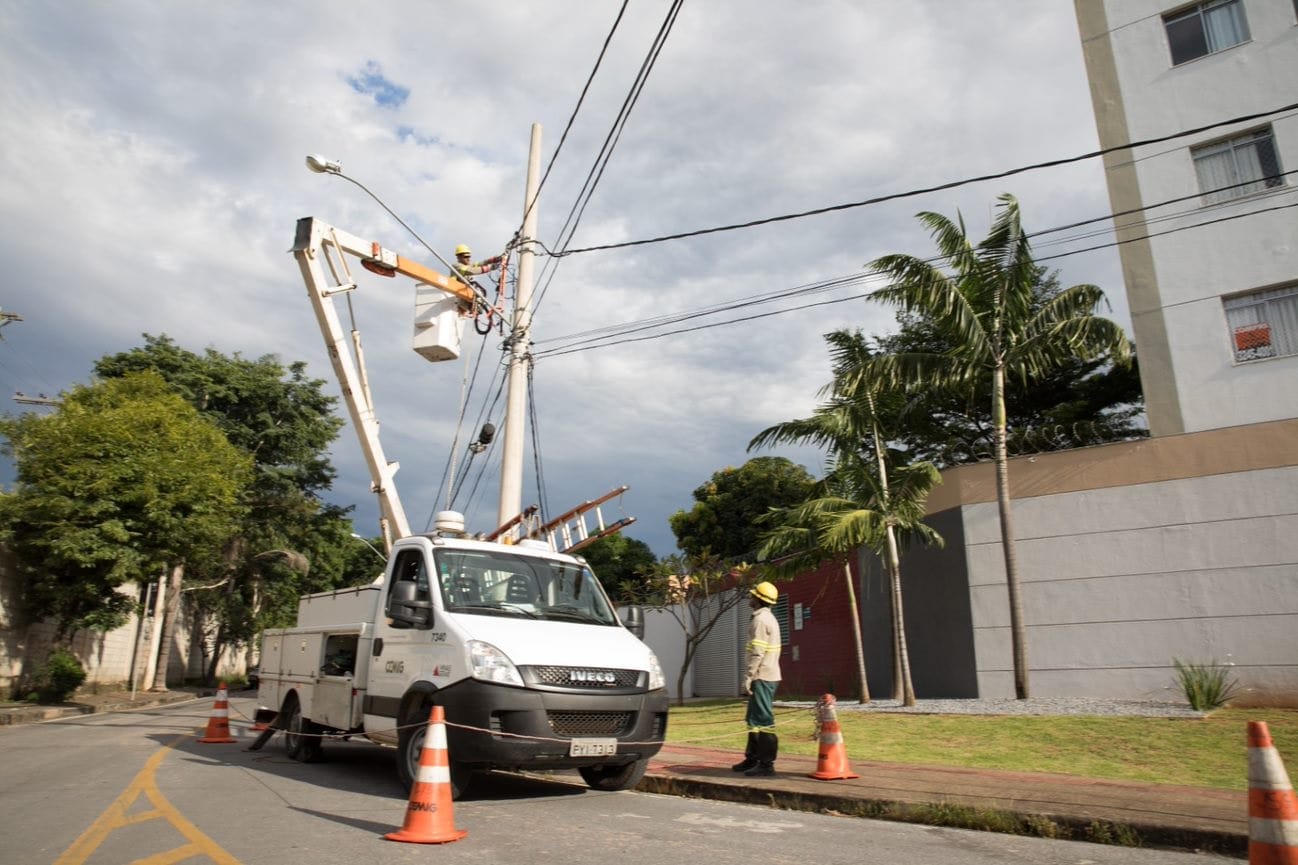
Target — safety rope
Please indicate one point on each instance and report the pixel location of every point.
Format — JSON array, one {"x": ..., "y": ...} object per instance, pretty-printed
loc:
[{"x": 499, "y": 733}]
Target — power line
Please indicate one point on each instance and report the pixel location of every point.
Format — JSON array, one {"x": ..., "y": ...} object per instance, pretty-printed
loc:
[
  {"x": 611, "y": 140},
  {"x": 1053, "y": 163},
  {"x": 588, "y": 188},
  {"x": 580, "y": 99},
  {"x": 595, "y": 343}
]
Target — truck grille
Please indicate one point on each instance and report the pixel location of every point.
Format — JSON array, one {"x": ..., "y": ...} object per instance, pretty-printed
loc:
[
  {"x": 578, "y": 724},
  {"x": 586, "y": 677}
]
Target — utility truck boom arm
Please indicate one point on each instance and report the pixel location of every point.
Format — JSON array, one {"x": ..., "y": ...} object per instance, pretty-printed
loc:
[{"x": 321, "y": 251}]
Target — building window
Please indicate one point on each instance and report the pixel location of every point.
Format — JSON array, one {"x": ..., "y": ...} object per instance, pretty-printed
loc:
[
  {"x": 1237, "y": 166},
  {"x": 1205, "y": 28},
  {"x": 1263, "y": 324}
]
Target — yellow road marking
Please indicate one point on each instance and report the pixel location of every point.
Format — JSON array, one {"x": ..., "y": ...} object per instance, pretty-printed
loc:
[{"x": 116, "y": 817}]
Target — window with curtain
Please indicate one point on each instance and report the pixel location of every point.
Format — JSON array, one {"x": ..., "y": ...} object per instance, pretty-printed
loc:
[
  {"x": 1263, "y": 324},
  {"x": 1205, "y": 28},
  {"x": 1237, "y": 166}
]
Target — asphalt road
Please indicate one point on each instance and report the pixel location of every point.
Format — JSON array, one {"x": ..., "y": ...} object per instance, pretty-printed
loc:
[{"x": 122, "y": 788}]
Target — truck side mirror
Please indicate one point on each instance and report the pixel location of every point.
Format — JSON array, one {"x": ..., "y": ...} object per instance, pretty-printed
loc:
[
  {"x": 633, "y": 618},
  {"x": 405, "y": 608}
]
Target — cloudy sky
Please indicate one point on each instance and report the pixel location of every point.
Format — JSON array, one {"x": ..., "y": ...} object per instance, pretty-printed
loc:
[{"x": 152, "y": 163}]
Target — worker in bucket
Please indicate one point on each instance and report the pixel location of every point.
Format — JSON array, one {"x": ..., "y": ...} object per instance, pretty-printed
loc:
[
  {"x": 760, "y": 681},
  {"x": 466, "y": 268}
]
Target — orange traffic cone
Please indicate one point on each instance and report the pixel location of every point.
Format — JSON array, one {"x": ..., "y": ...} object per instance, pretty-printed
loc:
[
  {"x": 1272, "y": 806},
  {"x": 831, "y": 762},
  {"x": 218, "y": 726},
  {"x": 428, "y": 816}
]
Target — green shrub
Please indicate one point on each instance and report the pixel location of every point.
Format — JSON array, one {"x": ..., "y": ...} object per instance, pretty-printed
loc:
[
  {"x": 58, "y": 677},
  {"x": 1206, "y": 686}
]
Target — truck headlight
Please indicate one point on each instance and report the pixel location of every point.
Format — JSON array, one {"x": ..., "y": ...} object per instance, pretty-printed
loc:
[
  {"x": 656, "y": 679},
  {"x": 492, "y": 665}
]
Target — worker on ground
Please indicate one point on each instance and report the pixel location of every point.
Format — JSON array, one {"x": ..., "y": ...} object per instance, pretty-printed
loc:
[
  {"x": 466, "y": 269},
  {"x": 760, "y": 680}
]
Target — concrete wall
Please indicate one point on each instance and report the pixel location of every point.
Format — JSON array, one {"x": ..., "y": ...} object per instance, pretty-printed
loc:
[
  {"x": 109, "y": 658},
  {"x": 665, "y": 636},
  {"x": 1127, "y": 564},
  {"x": 1176, "y": 281}
]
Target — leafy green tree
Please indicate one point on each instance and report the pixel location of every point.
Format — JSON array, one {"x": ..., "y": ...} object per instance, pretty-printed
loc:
[
  {"x": 984, "y": 312},
  {"x": 291, "y": 543},
  {"x": 724, "y": 521},
  {"x": 864, "y": 500},
  {"x": 1078, "y": 403},
  {"x": 620, "y": 562},
  {"x": 121, "y": 480}
]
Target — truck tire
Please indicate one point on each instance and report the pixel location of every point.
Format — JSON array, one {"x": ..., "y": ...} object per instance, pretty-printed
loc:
[
  {"x": 614, "y": 777},
  {"x": 306, "y": 748},
  {"x": 410, "y": 747}
]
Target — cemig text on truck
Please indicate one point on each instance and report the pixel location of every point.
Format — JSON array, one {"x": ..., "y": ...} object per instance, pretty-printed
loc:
[{"x": 519, "y": 645}]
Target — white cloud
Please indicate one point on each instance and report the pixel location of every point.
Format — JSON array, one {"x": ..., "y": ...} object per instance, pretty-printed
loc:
[{"x": 153, "y": 164}]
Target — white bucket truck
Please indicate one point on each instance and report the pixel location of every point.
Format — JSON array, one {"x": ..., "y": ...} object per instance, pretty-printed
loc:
[
  {"x": 519, "y": 645},
  {"x": 516, "y": 641}
]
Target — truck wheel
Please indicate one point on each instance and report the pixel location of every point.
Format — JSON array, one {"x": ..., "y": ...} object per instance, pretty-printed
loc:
[
  {"x": 410, "y": 746},
  {"x": 614, "y": 777},
  {"x": 300, "y": 747}
]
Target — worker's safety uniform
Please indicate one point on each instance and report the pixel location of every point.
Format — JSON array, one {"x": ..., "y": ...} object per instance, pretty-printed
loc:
[{"x": 763, "y": 676}]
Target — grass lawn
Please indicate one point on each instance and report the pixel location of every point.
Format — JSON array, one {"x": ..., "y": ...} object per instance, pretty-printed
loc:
[{"x": 1196, "y": 752}]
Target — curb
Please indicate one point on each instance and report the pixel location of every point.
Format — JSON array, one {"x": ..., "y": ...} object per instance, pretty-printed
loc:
[
  {"x": 1056, "y": 827},
  {"x": 34, "y": 714}
]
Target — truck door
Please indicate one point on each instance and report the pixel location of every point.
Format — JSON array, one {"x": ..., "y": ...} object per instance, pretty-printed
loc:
[{"x": 409, "y": 645}]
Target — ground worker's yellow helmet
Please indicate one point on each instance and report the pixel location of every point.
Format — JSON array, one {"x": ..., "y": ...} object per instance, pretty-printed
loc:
[
  {"x": 765, "y": 592},
  {"x": 463, "y": 250}
]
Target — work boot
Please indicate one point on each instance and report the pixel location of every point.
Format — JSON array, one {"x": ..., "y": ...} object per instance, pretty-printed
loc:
[
  {"x": 750, "y": 755},
  {"x": 768, "y": 746}
]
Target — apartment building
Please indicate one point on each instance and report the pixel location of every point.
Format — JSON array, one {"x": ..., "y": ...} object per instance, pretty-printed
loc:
[{"x": 1207, "y": 219}]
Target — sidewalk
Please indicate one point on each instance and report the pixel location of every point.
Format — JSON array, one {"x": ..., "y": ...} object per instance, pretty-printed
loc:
[
  {"x": 1059, "y": 806},
  {"x": 89, "y": 704}
]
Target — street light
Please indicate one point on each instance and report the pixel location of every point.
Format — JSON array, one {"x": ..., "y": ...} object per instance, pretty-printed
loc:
[
  {"x": 371, "y": 546},
  {"x": 324, "y": 165}
]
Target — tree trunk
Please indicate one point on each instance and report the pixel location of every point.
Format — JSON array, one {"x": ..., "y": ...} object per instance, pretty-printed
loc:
[
  {"x": 214, "y": 663},
  {"x": 902, "y": 689},
  {"x": 169, "y": 615},
  {"x": 252, "y": 650},
  {"x": 864, "y": 687},
  {"x": 899, "y": 623},
  {"x": 1018, "y": 638}
]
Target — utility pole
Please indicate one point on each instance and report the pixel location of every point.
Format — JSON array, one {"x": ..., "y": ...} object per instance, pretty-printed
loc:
[{"x": 520, "y": 349}]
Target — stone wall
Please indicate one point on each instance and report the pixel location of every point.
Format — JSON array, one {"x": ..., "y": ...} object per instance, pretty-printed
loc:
[{"x": 111, "y": 659}]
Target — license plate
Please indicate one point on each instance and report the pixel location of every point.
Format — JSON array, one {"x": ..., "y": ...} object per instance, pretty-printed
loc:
[{"x": 592, "y": 748}]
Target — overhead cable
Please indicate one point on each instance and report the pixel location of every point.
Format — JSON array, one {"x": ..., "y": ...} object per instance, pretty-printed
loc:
[
  {"x": 610, "y": 340},
  {"x": 879, "y": 199}
]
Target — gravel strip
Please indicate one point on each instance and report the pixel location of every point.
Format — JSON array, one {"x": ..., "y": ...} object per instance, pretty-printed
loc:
[{"x": 1030, "y": 706}]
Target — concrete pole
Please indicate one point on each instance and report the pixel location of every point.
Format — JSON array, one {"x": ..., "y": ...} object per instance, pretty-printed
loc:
[
  {"x": 155, "y": 641},
  {"x": 520, "y": 357}
]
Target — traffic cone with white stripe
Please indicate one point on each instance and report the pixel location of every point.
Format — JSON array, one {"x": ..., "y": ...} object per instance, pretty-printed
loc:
[
  {"x": 1272, "y": 806},
  {"x": 831, "y": 761},
  {"x": 218, "y": 726},
  {"x": 428, "y": 815}
]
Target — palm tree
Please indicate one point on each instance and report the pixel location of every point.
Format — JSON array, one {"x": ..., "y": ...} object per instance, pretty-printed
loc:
[
  {"x": 984, "y": 311},
  {"x": 859, "y": 505}
]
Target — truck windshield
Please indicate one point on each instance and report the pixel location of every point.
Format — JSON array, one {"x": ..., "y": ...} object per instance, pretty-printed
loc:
[{"x": 508, "y": 584}]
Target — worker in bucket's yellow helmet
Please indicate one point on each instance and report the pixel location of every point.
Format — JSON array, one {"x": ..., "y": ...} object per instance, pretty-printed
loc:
[
  {"x": 765, "y": 592},
  {"x": 464, "y": 267}
]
